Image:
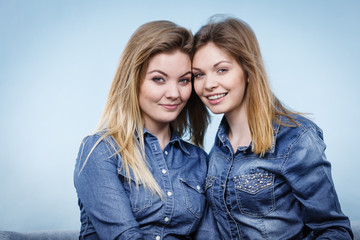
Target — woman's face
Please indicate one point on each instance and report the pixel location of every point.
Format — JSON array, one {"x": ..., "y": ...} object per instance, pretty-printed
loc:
[
  {"x": 219, "y": 80},
  {"x": 165, "y": 88}
]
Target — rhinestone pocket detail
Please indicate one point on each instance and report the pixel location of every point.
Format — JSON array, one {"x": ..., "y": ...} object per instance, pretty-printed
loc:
[{"x": 254, "y": 182}]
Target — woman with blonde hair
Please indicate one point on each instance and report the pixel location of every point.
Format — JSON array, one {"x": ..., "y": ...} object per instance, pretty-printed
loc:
[
  {"x": 135, "y": 177},
  {"x": 268, "y": 177}
]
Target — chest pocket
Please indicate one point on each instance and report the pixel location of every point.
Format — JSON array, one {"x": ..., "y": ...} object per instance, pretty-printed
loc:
[
  {"x": 140, "y": 197},
  {"x": 255, "y": 193},
  {"x": 194, "y": 196}
]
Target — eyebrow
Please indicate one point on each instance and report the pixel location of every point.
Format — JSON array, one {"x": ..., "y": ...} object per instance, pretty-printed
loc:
[
  {"x": 189, "y": 72},
  {"x": 158, "y": 71},
  {"x": 215, "y": 65},
  {"x": 161, "y": 72}
]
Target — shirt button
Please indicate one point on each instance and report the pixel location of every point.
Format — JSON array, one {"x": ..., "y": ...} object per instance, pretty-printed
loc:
[
  {"x": 166, "y": 152},
  {"x": 158, "y": 238},
  {"x": 169, "y": 193},
  {"x": 166, "y": 219},
  {"x": 198, "y": 187},
  {"x": 163, "y": 171}
]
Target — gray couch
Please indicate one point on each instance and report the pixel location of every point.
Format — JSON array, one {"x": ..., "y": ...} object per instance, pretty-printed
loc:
[
  {"x": 40, "y": 235},
  {"x": 74, "y": 234}
]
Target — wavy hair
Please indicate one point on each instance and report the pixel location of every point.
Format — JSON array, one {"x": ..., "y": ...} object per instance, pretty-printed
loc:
[
  {"x": 236, "y": 37},
  {"x": 122, "y": 115}
]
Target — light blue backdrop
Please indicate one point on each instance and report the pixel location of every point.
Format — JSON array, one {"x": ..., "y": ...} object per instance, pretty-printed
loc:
[{"x": 57, "y": 60}]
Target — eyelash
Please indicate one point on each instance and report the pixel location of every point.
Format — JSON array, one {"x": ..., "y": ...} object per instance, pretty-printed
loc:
[
  {"x": 161, "y": 80},
  {"x": 158, "y": 79},
  {"x": 184, "y": 80},
  {"x": 198, "y": 75},
  {"x": 220, "y": 71}
]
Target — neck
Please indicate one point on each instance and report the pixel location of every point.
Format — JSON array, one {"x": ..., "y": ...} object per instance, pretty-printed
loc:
[
  {"x": 239, "y": 131},
  {"x": 162, "y": 133}
]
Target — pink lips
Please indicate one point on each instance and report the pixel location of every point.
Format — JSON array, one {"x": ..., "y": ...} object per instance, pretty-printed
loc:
[
  {"x": 215, "y": 101},
  {"x": 170, "y": 107}
]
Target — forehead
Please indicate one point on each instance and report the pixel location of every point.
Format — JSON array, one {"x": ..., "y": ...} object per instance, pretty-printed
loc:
[
  {"x": 174, "y": 61},
  {"x": 211, "y": 53}
]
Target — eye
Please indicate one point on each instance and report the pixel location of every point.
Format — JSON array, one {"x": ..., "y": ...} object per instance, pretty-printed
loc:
[
  {"x": 198, "y": 75},
  {"x": 222, "y": 70},
  {"x": 158, "y": 79},
  {"x": 184, "y": 80}
]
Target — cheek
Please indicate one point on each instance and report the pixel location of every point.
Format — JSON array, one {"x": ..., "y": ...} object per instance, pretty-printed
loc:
[
  {"x": 149, "y": 93},
  {"x": 186, "y": 92},
  {"x": 198, "y": 87}
]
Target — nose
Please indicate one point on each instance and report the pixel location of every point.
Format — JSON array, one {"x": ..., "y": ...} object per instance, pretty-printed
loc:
[
  {"x": 211, "y": 82},
  {"x": 172, "y": 91}
]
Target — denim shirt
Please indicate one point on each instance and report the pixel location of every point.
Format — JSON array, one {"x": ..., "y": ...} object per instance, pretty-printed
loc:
[
  {"x": 112, "y": 209},
  {"x": 286, "y": 194}
]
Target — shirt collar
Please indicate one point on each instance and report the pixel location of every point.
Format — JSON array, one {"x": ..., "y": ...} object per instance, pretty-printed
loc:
[
  {"x": 224, "y": 129},
  {"x": 175, "y": 139}
]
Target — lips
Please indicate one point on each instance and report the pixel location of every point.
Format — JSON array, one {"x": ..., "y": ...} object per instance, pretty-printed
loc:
[
  {"x": 170, "y": 107},
  {"x": 216, "y": 98}
]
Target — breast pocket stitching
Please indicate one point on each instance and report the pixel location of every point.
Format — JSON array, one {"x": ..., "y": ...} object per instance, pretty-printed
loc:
[
  {"x": 255, "y": 193},
  {"x": 194, "y": 196}
]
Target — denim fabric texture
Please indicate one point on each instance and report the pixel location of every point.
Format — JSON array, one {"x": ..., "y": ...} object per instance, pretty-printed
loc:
[
  {"x": 286, "y": 194},
  {"x": 112, "y": 209}
]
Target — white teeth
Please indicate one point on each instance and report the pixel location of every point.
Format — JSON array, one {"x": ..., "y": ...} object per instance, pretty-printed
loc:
[{"x": 214, "y": 97}]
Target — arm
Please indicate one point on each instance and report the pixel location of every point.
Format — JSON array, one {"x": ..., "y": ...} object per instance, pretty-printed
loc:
[
  {"x": 309, "y": 174},
  {"x": 102, "y": 193},
  {"x": 207, "y": 229}
]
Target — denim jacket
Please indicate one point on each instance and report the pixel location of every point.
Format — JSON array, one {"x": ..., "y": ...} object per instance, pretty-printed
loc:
[
  {"x": 112, "y": 209},
  {"x": 286, "y": 194}
]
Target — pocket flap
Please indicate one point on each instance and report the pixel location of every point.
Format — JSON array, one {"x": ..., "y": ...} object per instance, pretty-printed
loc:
[
  {"x": 194, "y": 184},
  {"x": 121, "y": 171}
]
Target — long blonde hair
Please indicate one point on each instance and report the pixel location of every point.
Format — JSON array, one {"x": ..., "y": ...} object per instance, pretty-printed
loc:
[
  {"x": 263, "y": 108},
  {"x": 122, "y": 115}
]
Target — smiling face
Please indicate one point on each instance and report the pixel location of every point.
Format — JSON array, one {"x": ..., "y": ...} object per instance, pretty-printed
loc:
[
  {"x": 165, "y": 88},
  {"x": 219, "y": 80}
]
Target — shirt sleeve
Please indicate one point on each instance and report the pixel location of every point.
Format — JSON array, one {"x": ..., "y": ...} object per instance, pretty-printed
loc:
[
  {"x": 101, "y": 192},
  {"x": 207, "y": 229},
  {"x": 309, "y": 174}
]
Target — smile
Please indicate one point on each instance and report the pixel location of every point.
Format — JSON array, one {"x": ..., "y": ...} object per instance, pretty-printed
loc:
[{"x": 217, "y": 96}]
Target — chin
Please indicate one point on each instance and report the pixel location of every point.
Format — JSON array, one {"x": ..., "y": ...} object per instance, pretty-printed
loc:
[
  {"x": 167, "y": 119},
  {"x": 216, "y": 111}
]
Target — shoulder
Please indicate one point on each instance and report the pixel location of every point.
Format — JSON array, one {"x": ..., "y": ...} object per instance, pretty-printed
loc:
[
  {"x": 97, "y": 144},
  {"x": 193, "y": 150},
  {"x": 303, "y": 126},
  {"x": 194, "y": 162},
  {"x": 304, "y": 133}
]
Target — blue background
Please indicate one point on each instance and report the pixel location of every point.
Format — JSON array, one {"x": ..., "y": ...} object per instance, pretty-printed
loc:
[{"x": 58, "y": 58}]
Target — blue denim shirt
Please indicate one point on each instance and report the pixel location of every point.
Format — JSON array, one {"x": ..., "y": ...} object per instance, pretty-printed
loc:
[
  {"x": 287, "y": 194},
  {"x": 111, "y": 209}
]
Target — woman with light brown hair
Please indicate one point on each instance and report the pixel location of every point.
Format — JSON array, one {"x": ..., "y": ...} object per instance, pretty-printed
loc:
[
  {"x": 268, "y": 177},
  {"x": 135, "y": 177}
]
